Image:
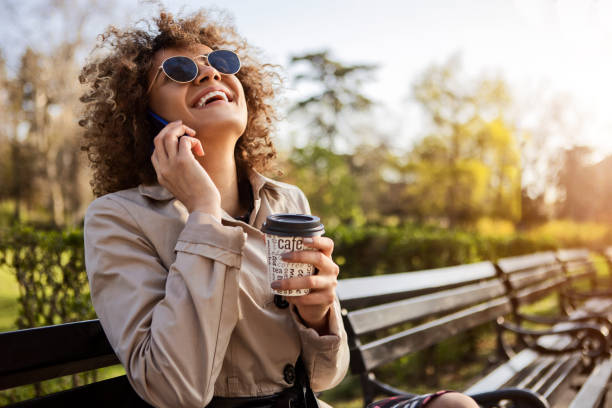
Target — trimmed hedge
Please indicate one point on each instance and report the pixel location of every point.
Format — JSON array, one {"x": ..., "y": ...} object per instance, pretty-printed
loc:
[{"x": 376, "y": 250}]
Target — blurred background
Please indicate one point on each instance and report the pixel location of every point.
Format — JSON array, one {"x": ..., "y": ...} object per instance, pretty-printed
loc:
[{"x": 425, "y": 134}]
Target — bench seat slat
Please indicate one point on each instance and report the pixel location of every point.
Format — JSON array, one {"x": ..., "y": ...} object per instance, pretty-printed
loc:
[
  {"x": 551, "y": 386},
  {"x": 594, "y": 389},
  {"x": 503, "y": 374},
  {"x": 379, "y": 317},
  {"x": 417, "y": 338}
]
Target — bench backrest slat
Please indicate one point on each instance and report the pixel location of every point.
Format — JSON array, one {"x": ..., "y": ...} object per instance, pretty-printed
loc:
[
  {"x": 527, "y": 262},
  {"x": 387, "y": 349},
  {"x": 41, "y": 353},
  {"x": 537, "y": 292},
  {"x": 356, "y": 293},
  {"x": 391, "y": 314},
  {"x": 520, "y": 280},
  {"x": 576, "y": 254}
]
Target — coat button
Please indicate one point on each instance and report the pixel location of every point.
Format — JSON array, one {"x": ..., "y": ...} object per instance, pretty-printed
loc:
[
  {"x": 280, "y": 302},
  {"x": 289, "y": 374}
]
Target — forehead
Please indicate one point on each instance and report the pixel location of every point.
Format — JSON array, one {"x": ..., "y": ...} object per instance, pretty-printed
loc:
[{"x": 190, "y": 51}]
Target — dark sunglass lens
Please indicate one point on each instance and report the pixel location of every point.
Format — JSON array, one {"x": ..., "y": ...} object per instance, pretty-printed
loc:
[
  {"x": 181, "y": 69},
  {"x": 226, "y": 62}
]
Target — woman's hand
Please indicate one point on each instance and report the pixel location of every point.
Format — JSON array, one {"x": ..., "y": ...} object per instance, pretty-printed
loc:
[
  {"x": 178, "y": 170},
  {"x": 314, "y": 307}
]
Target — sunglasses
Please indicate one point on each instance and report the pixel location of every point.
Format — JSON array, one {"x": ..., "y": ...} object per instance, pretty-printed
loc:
[{"x": 184, "y": 69}]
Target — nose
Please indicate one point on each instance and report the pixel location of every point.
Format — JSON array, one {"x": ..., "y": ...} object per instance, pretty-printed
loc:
[{"x": 206, "y": 72}]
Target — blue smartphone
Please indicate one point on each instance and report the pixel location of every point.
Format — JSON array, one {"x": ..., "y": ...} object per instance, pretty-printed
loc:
[{"x": 158, "y": 124}]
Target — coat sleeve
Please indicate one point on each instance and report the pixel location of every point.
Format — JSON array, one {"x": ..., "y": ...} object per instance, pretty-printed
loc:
[
  {"x": 326, "y": 357},
  {"x": 169, "y": 328}
]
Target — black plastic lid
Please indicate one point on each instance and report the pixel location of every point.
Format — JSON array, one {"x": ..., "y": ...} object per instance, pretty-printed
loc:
[{"x": 293, "y": 225}]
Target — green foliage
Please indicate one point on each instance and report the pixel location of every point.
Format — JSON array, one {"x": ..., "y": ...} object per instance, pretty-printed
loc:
[
  {"x": 325, "y": 178},
  {"x": 468, "y": 166},
  {"x": 50, "y": 271},
  {"x": 376, "y": 249}
]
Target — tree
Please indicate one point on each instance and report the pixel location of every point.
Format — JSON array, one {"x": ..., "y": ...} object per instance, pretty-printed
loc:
[
  {"x": 338, "y": 96},
  {"x": 468, "y": 165},
  {"x": 47, "y": 169},
  {"x": 325, "y": 175}
]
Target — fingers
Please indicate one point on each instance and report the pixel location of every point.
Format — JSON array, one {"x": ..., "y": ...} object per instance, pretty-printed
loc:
[
  {"x": 323, "y": 244},
  {"x": 320, "y": 260},
  {"x": 190, "y": 144},
  {"x": 311, "y": 299},
  {"x": 166, "y": 142},
  {"x": 313, "y": 282}
]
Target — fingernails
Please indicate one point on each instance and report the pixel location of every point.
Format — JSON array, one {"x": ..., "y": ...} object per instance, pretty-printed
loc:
[
  {"x": 308, "y": 241},
  {"x": 275, "y": 285},
  {"x": 286, "y": 256}
]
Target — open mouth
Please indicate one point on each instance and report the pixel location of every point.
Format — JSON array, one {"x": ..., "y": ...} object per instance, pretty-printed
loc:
[{"x": 211, "y": 97}]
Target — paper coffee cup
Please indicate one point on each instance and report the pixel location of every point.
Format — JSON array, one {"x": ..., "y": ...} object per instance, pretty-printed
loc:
[{"x": 285, "y": 233}]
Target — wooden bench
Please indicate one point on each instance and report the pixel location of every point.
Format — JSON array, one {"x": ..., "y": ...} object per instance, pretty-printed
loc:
[
  {"x": 437, "y": 303},
  {"x": 32, "y": 355},
  {"x": 534, "y": 277},
  {"x": 390, "y": 316}
]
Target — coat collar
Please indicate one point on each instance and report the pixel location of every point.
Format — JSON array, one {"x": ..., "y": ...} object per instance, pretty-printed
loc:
[{"x": 258, "y": 182}]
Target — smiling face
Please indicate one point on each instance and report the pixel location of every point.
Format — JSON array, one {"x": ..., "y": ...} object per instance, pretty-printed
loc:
[{"x": 213, "y": 104}]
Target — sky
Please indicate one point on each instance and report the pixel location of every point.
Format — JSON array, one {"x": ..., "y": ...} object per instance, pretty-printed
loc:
[{"x": 542, "y": 48}]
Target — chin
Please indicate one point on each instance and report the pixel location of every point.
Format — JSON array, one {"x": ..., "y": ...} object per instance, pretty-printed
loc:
[{"x": 219, "y": 129}]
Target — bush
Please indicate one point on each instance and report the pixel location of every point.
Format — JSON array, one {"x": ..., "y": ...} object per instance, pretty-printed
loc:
[
  {"x": 49, "y": 267},
  {"x": 374, "y": 249}
]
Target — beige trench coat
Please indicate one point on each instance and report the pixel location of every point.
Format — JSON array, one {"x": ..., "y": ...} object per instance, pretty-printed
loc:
[{"x": 186, "y": 304}]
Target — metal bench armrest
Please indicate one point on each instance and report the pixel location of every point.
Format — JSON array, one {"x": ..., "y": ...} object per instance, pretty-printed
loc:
[
  {"x": 521, "y": 398},
  {"x": 586, "y": 338},
  {"x": 599, "y": 318},
  {"x": 585, "y": 295}
]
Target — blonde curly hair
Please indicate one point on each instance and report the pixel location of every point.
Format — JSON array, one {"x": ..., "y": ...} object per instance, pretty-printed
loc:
[{"x": 118, "y": 133}]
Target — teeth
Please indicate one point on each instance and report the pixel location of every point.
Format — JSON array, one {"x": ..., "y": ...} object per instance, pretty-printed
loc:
[{"x": 210, "y": 95}]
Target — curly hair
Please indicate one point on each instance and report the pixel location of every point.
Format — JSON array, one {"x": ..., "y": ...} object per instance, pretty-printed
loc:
[{"x": 117, "y": 137}]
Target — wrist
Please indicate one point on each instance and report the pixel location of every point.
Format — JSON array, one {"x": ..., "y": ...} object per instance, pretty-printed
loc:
[
  {"x": 317, "y": 321},
  {"x": 207, "y": 208}
]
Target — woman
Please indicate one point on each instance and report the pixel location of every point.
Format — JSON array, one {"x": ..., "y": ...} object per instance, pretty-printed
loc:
[{"x": 177, "y": 129}]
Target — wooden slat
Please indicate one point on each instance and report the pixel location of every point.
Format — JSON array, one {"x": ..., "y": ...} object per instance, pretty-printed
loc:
[
  {"x": 379, "y": 317},
  {"x": 523, "y": 279},
  {"x": 503, "y": 374},
  {"x": 608, "y": 253},
  {"x": 568, "y": 255},
  {"x": 47, "y": 352},
  {"x": 518, "y": 365},
  {"x": 554, "y": 383},
  {"x": 362, "y": 292},
  {"x": 417, "y": 338},
  {"x": 595, "y": 387},
  {"x": 531, "y": 294},
  {"x": 525, "y": 262},
  {"x": 115, "y": 392},
  {"x": 541, "y": 367}
]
